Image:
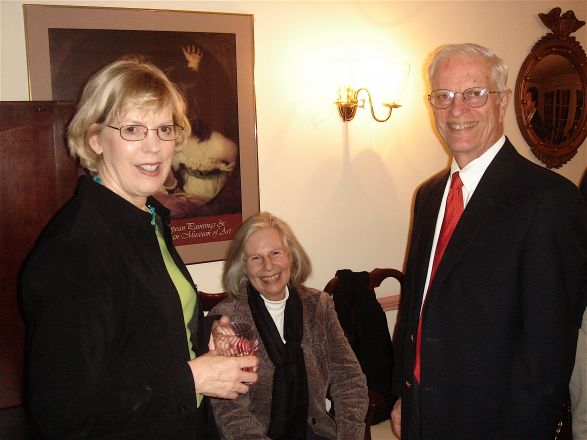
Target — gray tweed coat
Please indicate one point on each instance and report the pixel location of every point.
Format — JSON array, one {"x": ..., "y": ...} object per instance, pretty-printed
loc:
[{"x": 329, "y": 361}]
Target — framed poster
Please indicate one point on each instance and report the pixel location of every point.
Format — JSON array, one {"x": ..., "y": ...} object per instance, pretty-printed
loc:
[{"x": 210, "y": 57}]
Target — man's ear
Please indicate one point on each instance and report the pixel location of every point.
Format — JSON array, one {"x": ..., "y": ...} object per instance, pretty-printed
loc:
[
  {"x": 94, "y": 140},
  {"x": 504, "y": 100}
]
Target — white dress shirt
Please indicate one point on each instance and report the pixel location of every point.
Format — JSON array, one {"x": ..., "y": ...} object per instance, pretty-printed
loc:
[{"x": 470, "y": 175}]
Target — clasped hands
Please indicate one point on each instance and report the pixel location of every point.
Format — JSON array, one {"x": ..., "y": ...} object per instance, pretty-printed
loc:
[{"x": 222, "y": 376}]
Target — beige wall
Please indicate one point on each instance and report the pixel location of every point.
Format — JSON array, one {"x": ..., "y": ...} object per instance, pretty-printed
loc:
[{"x": 346, "y": 190}]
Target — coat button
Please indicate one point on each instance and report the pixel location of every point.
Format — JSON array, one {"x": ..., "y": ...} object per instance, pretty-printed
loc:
[
  {"x": 412, "y": 337},
  {"x": 408, "y": 385},
  {"x": 313, "y": 421}
]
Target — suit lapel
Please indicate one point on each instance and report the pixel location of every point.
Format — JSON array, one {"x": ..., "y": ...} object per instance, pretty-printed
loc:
[
  {"x": 428, "y": 208},
  {"x": 492, "y": 188}
]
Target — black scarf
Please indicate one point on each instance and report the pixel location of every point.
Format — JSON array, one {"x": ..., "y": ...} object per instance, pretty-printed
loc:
[{"x": 289, "y": 401}]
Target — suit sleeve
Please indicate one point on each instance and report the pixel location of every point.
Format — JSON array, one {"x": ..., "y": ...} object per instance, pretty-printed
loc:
[
  {"x": 407, "y": 296},
  {"x": 552, "y": 267}
]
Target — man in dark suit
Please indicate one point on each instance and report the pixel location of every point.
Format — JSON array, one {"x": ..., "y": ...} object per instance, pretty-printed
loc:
[
  {"x": 532, "y": 113},
  {"x": 486, "y": 336}
]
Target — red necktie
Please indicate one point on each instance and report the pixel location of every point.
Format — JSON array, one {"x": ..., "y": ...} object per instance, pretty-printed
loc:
[{"x": 452, "y": 214}]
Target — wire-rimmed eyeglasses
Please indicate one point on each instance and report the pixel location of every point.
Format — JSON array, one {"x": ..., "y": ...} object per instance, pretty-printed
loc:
[
  {"x": 275, "y": 256},
  {"x": 473, "y": 96},
  {"x": 136, "y": 132}
]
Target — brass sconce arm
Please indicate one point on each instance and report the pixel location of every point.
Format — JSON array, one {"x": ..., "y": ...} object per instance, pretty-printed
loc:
[
  {"x": 389, "y": 106},
  {"x": 347, "y": 109}
]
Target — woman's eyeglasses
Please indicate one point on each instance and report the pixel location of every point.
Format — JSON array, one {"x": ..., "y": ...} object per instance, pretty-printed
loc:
[{"x": 139, "y": 132}]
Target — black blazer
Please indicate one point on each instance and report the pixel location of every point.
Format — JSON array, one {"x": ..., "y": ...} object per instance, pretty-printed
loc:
[
  {"x": 501, "y": 317},
  {"x": 106, "y": 342}
]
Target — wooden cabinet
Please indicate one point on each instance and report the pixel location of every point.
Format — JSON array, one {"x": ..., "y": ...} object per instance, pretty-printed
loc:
[{"x": 37, "y": 176}]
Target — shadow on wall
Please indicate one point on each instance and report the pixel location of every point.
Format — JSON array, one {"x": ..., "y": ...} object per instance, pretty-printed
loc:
[{"x": 357, "y": 207}]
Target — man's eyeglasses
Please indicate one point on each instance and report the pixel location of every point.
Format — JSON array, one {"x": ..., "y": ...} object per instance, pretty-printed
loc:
[
  {"x": 275, "y": 256},
  {"x": 139, "y": 132},
  {"x": 474, "y": 97}
]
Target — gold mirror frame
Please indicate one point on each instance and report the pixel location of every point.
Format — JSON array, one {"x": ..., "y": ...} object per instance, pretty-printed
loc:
[{"x": 562, "y": 135}]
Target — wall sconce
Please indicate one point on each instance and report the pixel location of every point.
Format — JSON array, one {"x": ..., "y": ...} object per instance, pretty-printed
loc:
[{"x": 348, "y": 102}]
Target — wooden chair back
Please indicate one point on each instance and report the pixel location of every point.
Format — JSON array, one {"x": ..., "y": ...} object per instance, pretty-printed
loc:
[{"x": 209, "y": 300}]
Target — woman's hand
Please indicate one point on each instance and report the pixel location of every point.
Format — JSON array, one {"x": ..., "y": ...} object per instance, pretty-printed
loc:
[
  {"x": 220, "y": 328},
  {"x": 396, "y": 418},
  {"x": 222, "y": 376}
]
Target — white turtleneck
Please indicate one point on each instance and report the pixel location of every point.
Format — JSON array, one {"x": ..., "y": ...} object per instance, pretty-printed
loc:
[{"x": 277, "y": 311}]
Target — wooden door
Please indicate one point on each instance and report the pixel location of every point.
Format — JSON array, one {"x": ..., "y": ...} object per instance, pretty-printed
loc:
[{"x": 37, "y": 177}]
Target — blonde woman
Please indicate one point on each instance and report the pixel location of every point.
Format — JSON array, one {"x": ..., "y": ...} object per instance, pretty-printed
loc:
[{"x": 115, "y": 337}]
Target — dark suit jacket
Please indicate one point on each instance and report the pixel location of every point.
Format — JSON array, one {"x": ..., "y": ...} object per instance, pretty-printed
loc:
[
  {"x": 501, "y": 318},
  {"x": 538, "y": 125}
]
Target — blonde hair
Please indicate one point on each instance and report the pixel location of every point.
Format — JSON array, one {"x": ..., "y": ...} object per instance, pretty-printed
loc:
[
  {"x": 123, "y": 84},
  {"x": 234, "y": 277},
  {"x": 499, "y": 70}
]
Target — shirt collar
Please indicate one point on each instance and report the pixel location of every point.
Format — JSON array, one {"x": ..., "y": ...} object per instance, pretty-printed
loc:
[
  {"x": 278, "y": 303},
  {"x": 471, "y": 174}
]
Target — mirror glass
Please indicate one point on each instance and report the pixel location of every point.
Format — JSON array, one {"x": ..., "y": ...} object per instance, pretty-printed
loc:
[
  {"x": 550, "y": 99},
  {"x": 554, "y": 99}
]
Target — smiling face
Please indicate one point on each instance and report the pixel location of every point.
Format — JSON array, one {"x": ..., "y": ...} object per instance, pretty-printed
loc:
[
  {"x": 134, "y": 169},
  {"x": 268, "y": 275},
  {"x": 530, "y": 105},
  {"x": 468, "y": 132}
]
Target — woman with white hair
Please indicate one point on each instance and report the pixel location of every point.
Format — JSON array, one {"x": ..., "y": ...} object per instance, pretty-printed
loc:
[{"x": 303, "y": 352}]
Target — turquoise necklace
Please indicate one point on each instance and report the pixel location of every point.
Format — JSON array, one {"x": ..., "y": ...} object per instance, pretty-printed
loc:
[{"x": 150, "y": 208}]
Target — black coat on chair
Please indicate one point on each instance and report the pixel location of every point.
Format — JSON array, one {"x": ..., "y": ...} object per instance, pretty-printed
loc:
[{"x": 365, "y": 326}]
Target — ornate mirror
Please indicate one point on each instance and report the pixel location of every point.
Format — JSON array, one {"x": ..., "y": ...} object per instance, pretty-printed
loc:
[{"x": 550, "y": 97}]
